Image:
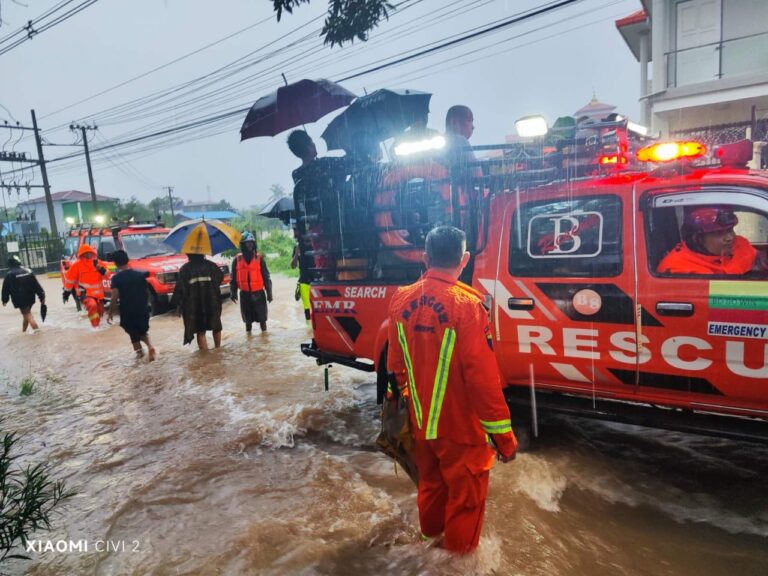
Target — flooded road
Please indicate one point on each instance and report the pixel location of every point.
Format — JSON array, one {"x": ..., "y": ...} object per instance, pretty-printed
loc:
[{"x": 237, "y": 461}]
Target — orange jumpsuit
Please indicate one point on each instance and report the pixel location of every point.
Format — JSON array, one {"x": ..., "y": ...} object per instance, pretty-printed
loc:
[
  {"x": 683, "y": 260},
  {"x": 441, "y": 353},
  {"x": 85, "y": 276}
]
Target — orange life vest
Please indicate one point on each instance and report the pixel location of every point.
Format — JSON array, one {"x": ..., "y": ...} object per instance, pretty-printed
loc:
[{"x": 249, "y": 277}]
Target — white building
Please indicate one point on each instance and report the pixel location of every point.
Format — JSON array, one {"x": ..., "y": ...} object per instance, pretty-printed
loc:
[{"x": 708, "y": 63}]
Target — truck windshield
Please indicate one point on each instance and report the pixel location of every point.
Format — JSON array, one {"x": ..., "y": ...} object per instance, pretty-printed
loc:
[{"x": 145, "y": 245}]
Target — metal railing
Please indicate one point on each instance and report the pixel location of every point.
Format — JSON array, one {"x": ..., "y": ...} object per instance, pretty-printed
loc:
[
  {"x": 728, "y": 58},
  {"x": 41, "y": 253}
]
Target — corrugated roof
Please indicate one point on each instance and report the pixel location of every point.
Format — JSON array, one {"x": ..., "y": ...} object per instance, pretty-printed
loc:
[
  {"x": 213, "y": 215},
  {"x": 67, "y": 196}
]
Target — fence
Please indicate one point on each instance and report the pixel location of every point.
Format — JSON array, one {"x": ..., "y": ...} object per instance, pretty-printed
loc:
[
  {"x": 711, "y": 136},
  {"x": 41, "y": 253}
]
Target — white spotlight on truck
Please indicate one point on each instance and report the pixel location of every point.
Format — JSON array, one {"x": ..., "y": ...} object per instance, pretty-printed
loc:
[
  {"x": 637, "y": 128},
  {"x": 99, "y": 219},
  {"x": 407, "y": 148},
  {"x": 531, "y": 126}
]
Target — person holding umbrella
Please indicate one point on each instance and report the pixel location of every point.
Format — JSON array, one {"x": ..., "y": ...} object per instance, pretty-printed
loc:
[
  {"x": 250, "y": 276},
  {"x": 197, "y": 289},
  {"x": 20, "y": 287}
]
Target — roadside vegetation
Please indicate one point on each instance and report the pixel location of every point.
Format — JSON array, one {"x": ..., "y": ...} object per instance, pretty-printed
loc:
[
  {"x": 28, "y": 497},
  {"x": 27, "y": 386}
]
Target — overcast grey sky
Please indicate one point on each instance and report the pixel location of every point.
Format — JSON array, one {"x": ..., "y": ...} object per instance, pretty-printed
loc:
[{"x": 548, "y": 65}]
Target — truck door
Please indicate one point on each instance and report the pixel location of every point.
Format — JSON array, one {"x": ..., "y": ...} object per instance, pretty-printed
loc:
[
  {"x": 709, "y": 348},
  {"x": 564, "y": 293}
]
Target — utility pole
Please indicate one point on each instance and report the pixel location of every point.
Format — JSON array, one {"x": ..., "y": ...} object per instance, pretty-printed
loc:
[
  {"x": 83, "y": 129},
  {"x": 170, "y": 201},
  {"x": 44, "y": 172}
]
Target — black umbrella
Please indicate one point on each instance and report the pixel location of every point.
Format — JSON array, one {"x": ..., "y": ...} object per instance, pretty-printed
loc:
[
  {"x": 43, "y": 311},
  {"x": 278, "y": 208},
  {"x": 379, "y": 115},
  {"x": 293, "y": 105}
]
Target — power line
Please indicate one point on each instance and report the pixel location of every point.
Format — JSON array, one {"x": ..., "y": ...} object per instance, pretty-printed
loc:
[
  {"x": 32, "y": 31},
  {"x": 207, "y": 126},
  {"x": 162, "y": 66}
]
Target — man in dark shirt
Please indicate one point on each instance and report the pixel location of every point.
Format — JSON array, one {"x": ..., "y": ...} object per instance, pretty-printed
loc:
[
  {"x": 129, "y": 289},
  {"x": 20, "y": 287},
  {"x": 302, "y": 146}
]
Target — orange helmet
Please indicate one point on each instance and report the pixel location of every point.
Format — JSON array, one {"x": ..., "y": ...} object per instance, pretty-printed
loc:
[{"x": 86, "y": 249}]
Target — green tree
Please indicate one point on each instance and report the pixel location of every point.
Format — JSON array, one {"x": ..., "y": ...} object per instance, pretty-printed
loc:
[
  {"x": 27, "y": 498},
  {"x": 346, "y": 20},
  {"x": 133, "y": 208},
  {"x": 224, "y": 205}
]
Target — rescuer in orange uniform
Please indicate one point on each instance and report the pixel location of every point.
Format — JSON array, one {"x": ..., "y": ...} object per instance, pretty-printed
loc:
[
  {"x": 251, "y": 276},
  {"x": 710, "y": 245},
  {"x": 85, "y": 278},
  {"x": 441, "y": 354}
]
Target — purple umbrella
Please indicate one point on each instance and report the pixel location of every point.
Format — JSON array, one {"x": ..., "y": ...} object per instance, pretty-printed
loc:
[{"x": 299, "y": 103}]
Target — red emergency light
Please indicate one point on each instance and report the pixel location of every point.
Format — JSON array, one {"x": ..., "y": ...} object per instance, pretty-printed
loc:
[
  {"x": 736, "y": 154},
  {"x": 671, "y": 151},
  {"x": 612, "y": 159}
]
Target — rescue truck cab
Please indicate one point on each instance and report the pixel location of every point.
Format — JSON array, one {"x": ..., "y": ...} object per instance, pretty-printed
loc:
[
  {"x": 144, "y": 245},
  {"x": 585, "y": 320}
]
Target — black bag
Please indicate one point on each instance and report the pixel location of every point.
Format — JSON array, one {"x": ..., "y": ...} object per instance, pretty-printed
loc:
[{"x": 395, "y": 438}]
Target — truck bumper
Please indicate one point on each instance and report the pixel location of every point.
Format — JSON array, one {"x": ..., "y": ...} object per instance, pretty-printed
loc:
[{"x": 310, "y": 349}]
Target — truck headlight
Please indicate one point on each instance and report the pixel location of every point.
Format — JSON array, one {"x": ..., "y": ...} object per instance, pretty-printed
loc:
[{"x": 167, "y": 277}]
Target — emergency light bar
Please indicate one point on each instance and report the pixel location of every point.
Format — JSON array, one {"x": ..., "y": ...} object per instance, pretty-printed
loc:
[
  {"x": 670, "y": 151},
  {"x": 407, "y": 148}
]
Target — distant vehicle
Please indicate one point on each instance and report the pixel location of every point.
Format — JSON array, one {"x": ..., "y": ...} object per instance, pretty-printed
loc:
[
  {"x": 144, "y": 245},
  {"x": 566, "y": 243}
]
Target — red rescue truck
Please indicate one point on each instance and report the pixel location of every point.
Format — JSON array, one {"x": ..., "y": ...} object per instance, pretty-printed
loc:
[
  {"x": 144, "y": 245},
  {"x": 567, "y": 253}
]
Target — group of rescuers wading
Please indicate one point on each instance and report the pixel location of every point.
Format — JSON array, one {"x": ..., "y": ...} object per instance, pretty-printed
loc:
[
  {"x": 440, "y": 344},
  {"x": 196, "y": 296}
]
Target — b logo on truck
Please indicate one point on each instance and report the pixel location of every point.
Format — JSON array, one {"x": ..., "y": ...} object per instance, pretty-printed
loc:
[{"x": 575, "y": 235}]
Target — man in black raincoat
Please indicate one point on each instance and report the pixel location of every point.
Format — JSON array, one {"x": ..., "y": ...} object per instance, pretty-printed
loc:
[
  {"x": 20, "y": 287},
  {"x": 197, "y": 297}
]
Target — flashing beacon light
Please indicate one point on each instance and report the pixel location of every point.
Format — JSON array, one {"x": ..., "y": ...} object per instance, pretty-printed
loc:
[
  {"x": 612, "y": 159},
  {"x": 671, "y": 151},
  {"x": 735, "y": 154}
]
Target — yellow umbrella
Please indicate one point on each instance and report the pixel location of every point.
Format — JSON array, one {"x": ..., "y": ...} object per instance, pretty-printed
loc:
[{"x": 201, "y": 236}]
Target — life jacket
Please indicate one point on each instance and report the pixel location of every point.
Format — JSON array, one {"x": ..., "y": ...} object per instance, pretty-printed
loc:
[
  {"x": 249, "y": 277},
  {"x": 83, "y": 274}
]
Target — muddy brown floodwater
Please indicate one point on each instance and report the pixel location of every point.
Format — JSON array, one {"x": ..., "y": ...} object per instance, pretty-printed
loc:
[{"x": 237, "y": 461}]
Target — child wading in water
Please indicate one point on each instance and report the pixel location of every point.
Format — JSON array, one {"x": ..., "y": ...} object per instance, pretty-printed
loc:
[{"x": 129, "y": 289}]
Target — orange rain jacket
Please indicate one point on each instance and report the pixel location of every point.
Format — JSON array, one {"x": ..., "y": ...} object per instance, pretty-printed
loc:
[
  {"x": 84, "y": 273},
  {"x": 683, "y": 260},
  {"x": 441, "y": 351}
]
